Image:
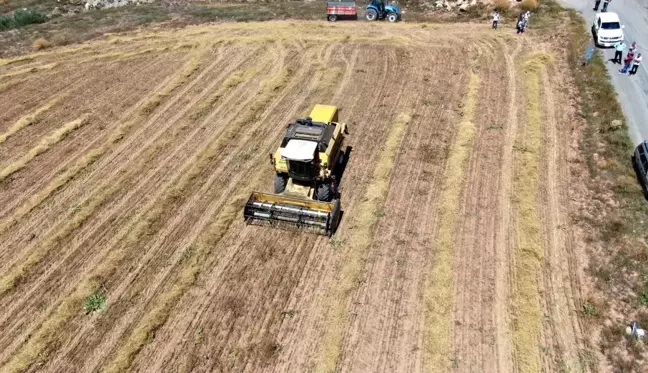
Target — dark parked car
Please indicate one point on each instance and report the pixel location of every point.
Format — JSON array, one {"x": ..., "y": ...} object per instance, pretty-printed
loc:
[{"x": 640, "y": 163}]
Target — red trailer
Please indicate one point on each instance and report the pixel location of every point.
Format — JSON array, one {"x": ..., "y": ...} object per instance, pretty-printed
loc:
[{"x": 341, "y": 9}]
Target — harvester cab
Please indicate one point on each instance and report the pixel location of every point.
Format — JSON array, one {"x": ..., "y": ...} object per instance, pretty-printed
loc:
[{"x": 305, "y": 183}]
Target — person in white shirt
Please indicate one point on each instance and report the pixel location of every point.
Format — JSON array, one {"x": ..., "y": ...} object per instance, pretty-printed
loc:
[
  {"x": 635, "y": 64},
  {"x": 496, "y": 18}
]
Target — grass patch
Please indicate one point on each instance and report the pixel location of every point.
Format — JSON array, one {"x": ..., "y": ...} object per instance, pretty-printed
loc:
[
  {"x": 21, "y": 18},
  {"x": 94, "y": 302},
  {"x": 439, "y": 289},
  {"x": 589, "y": 309},
  {"x": 357, "y": 246}
]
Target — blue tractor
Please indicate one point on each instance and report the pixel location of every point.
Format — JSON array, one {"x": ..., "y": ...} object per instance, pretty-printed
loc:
[{"x": 377, "y": 9}]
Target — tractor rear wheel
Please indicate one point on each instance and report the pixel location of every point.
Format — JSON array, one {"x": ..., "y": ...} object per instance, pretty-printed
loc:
[
  {"x": 280, "y": 182},
  {"x": 371, "y": 15},
  {"x": 323, "y": 192},
  {"x": 332, "y": 17},
  {"x": 392, "y": 17}
]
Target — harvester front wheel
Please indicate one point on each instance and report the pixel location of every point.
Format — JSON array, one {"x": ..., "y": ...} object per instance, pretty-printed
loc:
[
  {"x": 323, "y": 192},
  {"x": 392, "y": 17},
  {"x": 280, "y": 182},
  {"x": 332, "y": 18},
  {"x": 371, "y": 15}
]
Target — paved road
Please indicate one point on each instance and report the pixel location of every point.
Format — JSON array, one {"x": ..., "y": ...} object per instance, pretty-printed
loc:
[{"x": 632, "y": 90}]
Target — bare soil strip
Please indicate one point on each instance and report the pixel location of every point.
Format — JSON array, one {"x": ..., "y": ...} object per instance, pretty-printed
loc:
[
  {"x": 357, "y": 246},
  {"x": 529, "y": 251},
  {"x": 439, "y": 294}
]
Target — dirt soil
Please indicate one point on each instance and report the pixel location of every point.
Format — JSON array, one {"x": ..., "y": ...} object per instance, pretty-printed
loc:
[{"x": 125, "y": 164}]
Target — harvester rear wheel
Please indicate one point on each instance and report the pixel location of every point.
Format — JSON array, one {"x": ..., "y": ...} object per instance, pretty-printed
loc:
[
  {"x": 332, "y": 17},
  {"x": 323, "y": 192},
  {"x": 280, "y": 183}
]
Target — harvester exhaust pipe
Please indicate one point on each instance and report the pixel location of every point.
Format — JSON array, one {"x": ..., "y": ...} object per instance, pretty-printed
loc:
[{"x": 275, "y": 209}]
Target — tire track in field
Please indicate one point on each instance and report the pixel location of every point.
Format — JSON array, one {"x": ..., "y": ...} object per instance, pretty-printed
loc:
[
  {"x": 90, "y": 155},
  {"x": 558, "y": 294},
  {"x": 235, "y": 125},
  {"x": 27, "y": 120},
  {"x": 271, "y": 137},
  {"x": 45, "y": 144},
  {"x": 308, "y": 292},
  {"x": 214, "y": 152},
  {"x": 357, "y": 246},
  {"x": 124, "y": 230},
  {"x": 103, "y": 97},
  {"x": 8, "y": 223},
  {"x": 439, "y": 291},
  {"x": 505, "y": 234},
  {"x": 382, "y": 328},
  {"x": 529, "y": 250},
  {"x": 475, "y": 267},
  {"x": 114, "y": 139}
]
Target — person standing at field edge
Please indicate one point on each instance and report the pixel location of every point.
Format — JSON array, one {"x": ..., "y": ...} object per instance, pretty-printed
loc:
[
  {"x": 627, "y": 63},
  {"x": 605, "y": 5},
  {"x": 618, "y": 51},
  {"x": 635, "y": 64},
  {"x": 596, "y": 5},
  {"x": 496, "y": 17}
]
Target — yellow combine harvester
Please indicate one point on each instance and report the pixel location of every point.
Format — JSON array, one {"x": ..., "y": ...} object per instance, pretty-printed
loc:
[{"x": 305, "y": 183}]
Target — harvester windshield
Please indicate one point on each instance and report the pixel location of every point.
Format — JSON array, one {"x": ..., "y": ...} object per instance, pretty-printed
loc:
[{"x": 301, "y": 155}]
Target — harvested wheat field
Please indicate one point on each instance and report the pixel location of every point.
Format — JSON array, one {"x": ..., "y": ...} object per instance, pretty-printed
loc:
[{"x": 125, "y": 164}]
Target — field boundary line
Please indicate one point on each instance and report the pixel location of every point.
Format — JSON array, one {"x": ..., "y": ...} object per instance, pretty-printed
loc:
[
  {"x": 529, "y": 250},
  {"x": 357, "y": 246},
  {"x": 46, "y": 144},
  {"x": 439, "y": 290}
]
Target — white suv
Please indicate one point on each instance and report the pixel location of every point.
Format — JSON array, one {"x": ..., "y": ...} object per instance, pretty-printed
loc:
[{"x": 607, "y": 29}]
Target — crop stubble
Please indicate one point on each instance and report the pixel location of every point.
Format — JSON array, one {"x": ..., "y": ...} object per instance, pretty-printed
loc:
[{"x": 143, "y": 202}]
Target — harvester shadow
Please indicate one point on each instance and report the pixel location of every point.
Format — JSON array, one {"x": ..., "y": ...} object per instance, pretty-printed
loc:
[{"x": 338, "y": 172}]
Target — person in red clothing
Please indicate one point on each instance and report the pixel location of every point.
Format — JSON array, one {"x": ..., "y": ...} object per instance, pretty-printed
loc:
[{"x": 627, "y": 62}]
